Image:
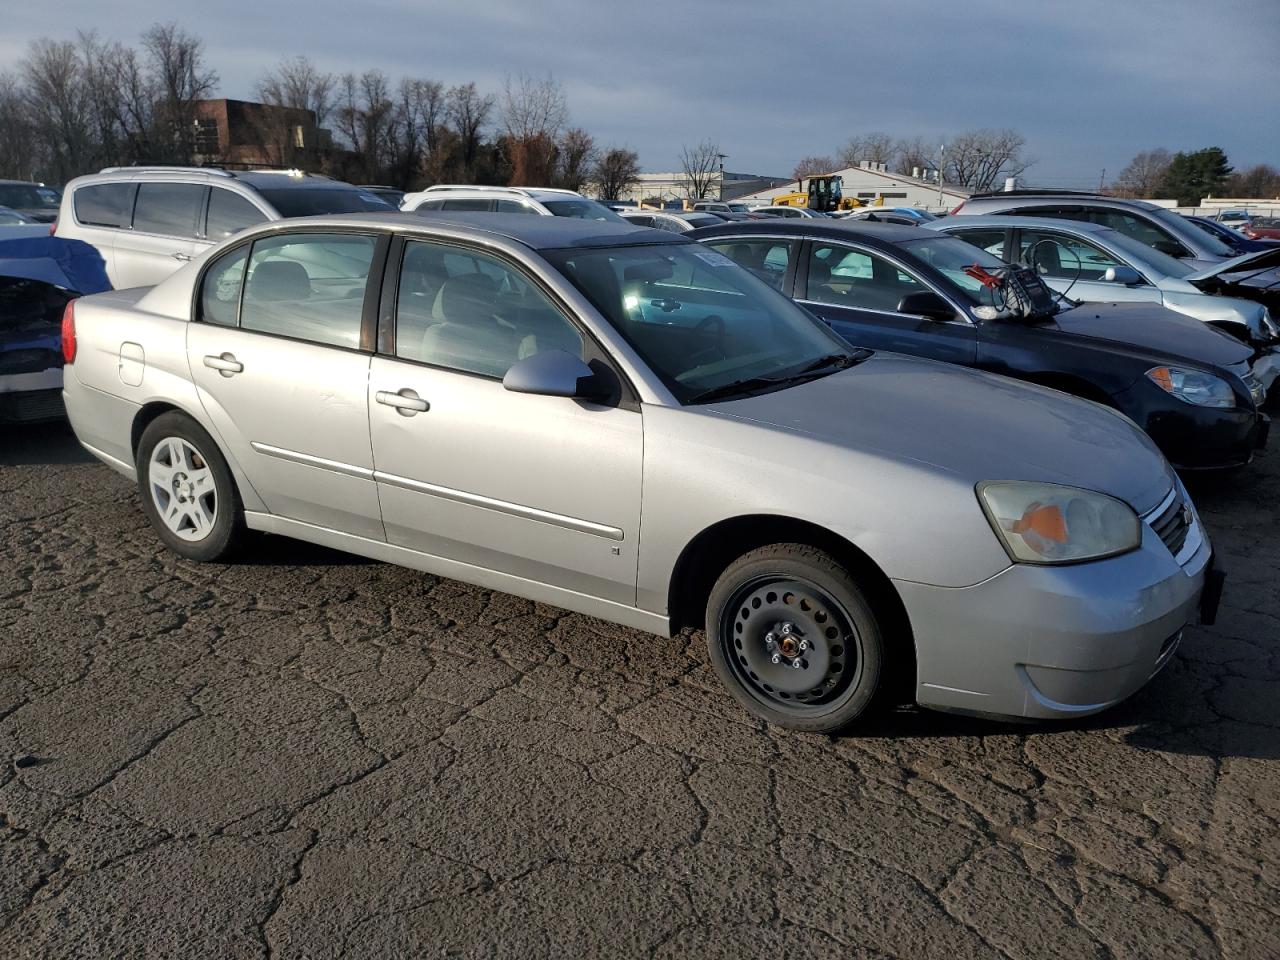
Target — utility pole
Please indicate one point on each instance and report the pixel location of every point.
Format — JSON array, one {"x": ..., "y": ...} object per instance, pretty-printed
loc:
[
  {"x": 721, "y": 157},
  {"x": 1102, "y": 179},
  {"x": 942, "y": 158}
]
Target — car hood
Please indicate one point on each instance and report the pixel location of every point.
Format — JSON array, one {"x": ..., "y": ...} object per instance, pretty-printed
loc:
[
  {"x": 972, "y": 424},
  {"x": 1257, "y": 260},
  {"x": 1154, "y": 328}
]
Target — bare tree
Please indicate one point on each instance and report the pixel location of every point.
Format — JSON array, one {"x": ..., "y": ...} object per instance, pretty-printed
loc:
[
  {"x": 809, "y": 166},
  {"x": 876, "y": 147},
  {"x": 575, "y": 155},
  {"x": 59, "y": 106},
  {"x": 364, "y": 118},
  {"x": 977, "y": 158},
  {"x": 701, "y": 166},
  {"x": 616, "y": 172},
  {"x": 296, "y": 82},
  {"x": 468, "y": 112},
  {"x": 533, "y": 111},
  {"x": 1262, "y": 181},
  {"x": 1143, "y": 175},
  {"x": 19, "y": 156},
  {"x": 176, "y": 61},
  {"x": 915, "y": 153},
  {"x": 124, "y": 99}
]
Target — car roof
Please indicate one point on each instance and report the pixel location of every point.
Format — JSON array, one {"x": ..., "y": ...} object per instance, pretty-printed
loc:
[
  {"x": 283, "y": 181},
  {"x": 998, "y": 220},
  {"x": 1021, "y": 197},
  {"x": 882, "y": 234},
  {"x": 538, "y": 233}
]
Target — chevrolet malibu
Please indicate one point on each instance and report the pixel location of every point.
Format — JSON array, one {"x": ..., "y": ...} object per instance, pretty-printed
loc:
[{"x": 627, "y": 424}]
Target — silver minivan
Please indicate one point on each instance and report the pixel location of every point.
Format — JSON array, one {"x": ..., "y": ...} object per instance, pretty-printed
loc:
[{"x": 146, "y": 222}]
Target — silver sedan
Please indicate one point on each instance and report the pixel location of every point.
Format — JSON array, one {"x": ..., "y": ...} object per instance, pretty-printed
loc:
[{"x": 626, "y": 424}]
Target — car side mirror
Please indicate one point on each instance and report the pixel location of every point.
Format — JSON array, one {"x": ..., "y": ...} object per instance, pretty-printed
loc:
[
  {"x": 555, "y": 373},
  {"x": 926, "y": 303},
  {"x": 1122, "y": 274}
]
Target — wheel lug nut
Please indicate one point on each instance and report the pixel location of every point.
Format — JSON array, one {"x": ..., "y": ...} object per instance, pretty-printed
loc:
[
  {"x": 769, "y": 638},
  {"x": 786, "y": 629},
  {"x": 776, "y": 658},
  {"x": 797, "y": 664},
  {"x": 804, "y": 644}
]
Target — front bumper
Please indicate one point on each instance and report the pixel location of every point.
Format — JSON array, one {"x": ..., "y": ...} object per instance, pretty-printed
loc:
[
  {"x": 1192, "y": 437},
  {"x": 1050, "y": 642}
]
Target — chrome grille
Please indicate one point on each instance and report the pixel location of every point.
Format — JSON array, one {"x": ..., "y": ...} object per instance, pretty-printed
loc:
[{"x": 1172, "y": 521}]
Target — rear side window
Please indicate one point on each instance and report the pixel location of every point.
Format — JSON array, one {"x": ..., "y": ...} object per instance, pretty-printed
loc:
[
  {"x": 512, "y": 206},
  {"x": 169, "y": 209},
  {"x": 309, "y": 287},
  {"x": 429, "y": 205},
  {"x": 991, "y": 241},
  {"x": 220, "y": 290},
  {"x": 230, "y": 213},
  {"x": 104, "y": 204},
  {"x": 767, "y": 259}
]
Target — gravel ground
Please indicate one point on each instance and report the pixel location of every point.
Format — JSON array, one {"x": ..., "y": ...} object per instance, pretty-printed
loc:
[{"x": 310, "y": 755}]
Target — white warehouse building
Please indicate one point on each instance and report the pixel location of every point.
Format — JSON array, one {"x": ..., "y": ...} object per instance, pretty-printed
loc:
[{"x": 874, "y": 185}]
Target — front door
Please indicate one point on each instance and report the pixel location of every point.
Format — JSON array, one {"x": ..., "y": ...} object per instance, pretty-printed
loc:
[
  {"x": 275, "y": 355},
  {"x": 858, "y": 291},
  {"x": 542, "y": 488},
  {"x": 1077, "y": 268}
]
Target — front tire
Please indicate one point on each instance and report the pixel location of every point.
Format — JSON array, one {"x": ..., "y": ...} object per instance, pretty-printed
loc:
[
  {"x": 793, "y": 637},
  {"x": 188, "y": 493}
]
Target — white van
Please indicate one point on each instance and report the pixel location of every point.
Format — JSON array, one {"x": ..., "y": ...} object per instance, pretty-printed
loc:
[{"x": 148, "y": 221}]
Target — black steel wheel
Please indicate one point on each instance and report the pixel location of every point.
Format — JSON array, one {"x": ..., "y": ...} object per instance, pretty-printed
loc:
[{"x": 794, "y": 639}]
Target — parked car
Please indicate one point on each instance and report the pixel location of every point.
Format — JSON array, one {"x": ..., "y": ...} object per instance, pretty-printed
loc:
[
  {"x": 1234, "y": 239},
  {"x": 1091, "y": 262},
  {"x": 148, "y": 221},
  {"x": 38, "y": 277},
  {"x": 673, "y": 221},
  {"x": 1145, "y": 222},
  {"x": 14, "y": 224},
  {"x": 725, "y": 210},
  {"x": 790, "y": 213},
  {"x": 904, "y": 216},
  {"x": 37, "y": 201},
  {"x": 1234, "y": 218},
  {"x": 476, "y": 396},
  {"x": 1262, "y": 228},
  {"x": 542, "y": 201},
  {"x": 922, "y": 292}
]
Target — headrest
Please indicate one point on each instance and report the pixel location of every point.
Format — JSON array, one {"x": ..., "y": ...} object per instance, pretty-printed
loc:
[{"x": 279, "y": 280}]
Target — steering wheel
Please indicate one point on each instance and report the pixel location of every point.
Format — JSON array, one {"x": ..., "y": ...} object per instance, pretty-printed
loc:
[{"x": 711, "y": 326}]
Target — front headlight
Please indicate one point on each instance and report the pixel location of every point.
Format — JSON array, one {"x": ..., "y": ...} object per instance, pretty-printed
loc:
[
  {"x": 1193, "y": 386},
  {"x": 1050, "y": 523}
]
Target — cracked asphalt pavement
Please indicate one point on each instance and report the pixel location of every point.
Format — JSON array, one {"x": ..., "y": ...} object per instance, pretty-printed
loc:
[{"x": 309, "y": 755}]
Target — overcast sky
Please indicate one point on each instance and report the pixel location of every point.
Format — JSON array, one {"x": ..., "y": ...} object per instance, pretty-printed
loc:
[{"x": 1087, "y": 82}]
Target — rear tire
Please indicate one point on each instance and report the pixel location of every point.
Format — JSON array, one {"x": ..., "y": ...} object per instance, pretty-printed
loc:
[
  {"x": 793, "y": 637},
  {"x": 188, "y": 493}
]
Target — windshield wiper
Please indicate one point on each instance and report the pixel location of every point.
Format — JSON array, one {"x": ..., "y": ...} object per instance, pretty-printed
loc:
[{"x": 810, "y": 371}]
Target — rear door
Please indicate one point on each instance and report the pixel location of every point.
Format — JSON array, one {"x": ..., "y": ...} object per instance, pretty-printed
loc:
[
  {"x": 857, "y": 291},
  {"x": 163, "y": 235},
  {"x": 99, "y": 213},
  {"x": 280, "y": 353}
]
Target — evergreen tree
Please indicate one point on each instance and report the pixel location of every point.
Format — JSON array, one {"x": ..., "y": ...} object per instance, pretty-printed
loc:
[{"x": 1193, "y": 176}]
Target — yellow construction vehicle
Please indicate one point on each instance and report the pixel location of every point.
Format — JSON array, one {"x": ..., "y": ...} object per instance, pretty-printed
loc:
[{"x": 823, "y": 193}]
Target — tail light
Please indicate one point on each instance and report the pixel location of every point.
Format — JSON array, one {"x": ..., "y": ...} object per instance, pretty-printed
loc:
[
  {"x": 69, "y": 333},
  {"x": 956, "y": 208},
  {"x": 53, "y": 227}
]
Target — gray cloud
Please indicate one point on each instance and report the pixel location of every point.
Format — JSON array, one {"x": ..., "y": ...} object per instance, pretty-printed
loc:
[{"x": 1089, "y": 83}]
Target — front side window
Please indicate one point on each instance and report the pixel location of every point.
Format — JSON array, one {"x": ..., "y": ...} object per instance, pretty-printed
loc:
[
  {"x": 229, "y": 213},
  {"x": 845, "y": 277},
  {"x": 104, "y": 204},
  {"x": 1056, "y": 256},
  {"x": 168, "y": 209},
  {"x": 1141, "y": 230},
  {"x": 472, "y": 312},
  {"x": 220, "y": 289},
  {"x": 991, "y": 241},
  {"x": 767, "y": 259},
  {"x": 468, "y": 203},
  {"x": 311, "y": 201},
  {"x": 699, "y": 321},
  {"x": 308, "y": 286},
  {"x": 956, "y": 260}
]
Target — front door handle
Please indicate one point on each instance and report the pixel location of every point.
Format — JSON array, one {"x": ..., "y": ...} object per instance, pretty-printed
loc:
[
  {"x": 406, "y": 401},
  {"x": 185, "y": 258},
  {"x": 226, "y": 364}
]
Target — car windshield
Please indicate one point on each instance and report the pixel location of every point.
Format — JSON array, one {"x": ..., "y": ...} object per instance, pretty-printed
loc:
[
  {"x": 702, "y": 323},
  {"x": 583, "y": 209},
  {"x": 954, "y": 258},
  {"x": 28, "y": 196},
  {"x": 1137, "y": 250},
  {"x": 1178, "y": 227},
  {"x": 317, "y": 201}
]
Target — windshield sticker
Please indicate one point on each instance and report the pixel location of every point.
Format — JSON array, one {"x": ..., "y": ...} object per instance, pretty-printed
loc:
[{"x": 713, "y": 258}]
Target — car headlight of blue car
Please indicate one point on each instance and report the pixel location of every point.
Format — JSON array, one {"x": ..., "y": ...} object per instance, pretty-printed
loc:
[
  {"x": 1193, "y": 386},
  {"x": 1049, "y": 523}
]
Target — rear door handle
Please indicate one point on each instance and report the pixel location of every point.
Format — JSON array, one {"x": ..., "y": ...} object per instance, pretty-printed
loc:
[
  {"x": 185, "y": 258},
  {"x": 406, "y": 401},
  {"x": 226, "y": 364}
]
